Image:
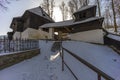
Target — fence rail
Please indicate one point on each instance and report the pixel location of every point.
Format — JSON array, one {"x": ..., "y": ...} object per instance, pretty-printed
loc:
[
  {"x": 7, "y": 45},
  {"x": 95, "y": 69}
]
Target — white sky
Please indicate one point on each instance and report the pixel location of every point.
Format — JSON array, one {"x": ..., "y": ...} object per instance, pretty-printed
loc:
[{"x": 17, "y": 8}]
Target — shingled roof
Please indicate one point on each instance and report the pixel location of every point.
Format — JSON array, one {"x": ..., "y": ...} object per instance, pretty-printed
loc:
[
  {"x": 84, "y": 8},
  {"x": 58, "y": 24},
  {"x": 68, "y": 23},
  {"x": 39, "y": 11}
]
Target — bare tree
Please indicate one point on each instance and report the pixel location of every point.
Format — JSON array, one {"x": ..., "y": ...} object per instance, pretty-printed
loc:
[
  {"x": 99, "y": 8},
  {"x": 3, "y": 4},
  {"x": 114, "y": 15},
  {"x": 74, "y": 5},
  {"x": 117, "y": 7},
  {"x": 84, "y": 2},
  {"x": 52, "y": 5},
  {"x": 64, "y": 11},
  {"x": 79, "y": 3},
  {"x": 108, "y": 17},
  {"x": 48, "y": 6},
  {"x": 71, "y": 8}
]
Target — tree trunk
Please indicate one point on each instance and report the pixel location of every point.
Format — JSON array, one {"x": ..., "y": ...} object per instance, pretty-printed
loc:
[
  {"x": 99, "y": 9},
  {"x": 114, "y": 16}
]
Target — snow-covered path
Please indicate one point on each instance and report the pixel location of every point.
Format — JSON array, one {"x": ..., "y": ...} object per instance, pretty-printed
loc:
[
  {"x": 47, "y": 65},
  {"x": 41, "y": 67}
]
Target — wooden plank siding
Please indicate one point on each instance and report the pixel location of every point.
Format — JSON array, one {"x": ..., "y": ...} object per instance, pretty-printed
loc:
[
  {"x": 17, "y": 24},
  {"x": 32, "y": 20},
  {"x": 92, "y": 25},
  {"x": 112, "y": 42},
  {"x": 85, "y": 14}
]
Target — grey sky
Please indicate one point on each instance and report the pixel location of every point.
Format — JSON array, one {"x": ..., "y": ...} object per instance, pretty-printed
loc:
[{"x": 17, "y": 8}]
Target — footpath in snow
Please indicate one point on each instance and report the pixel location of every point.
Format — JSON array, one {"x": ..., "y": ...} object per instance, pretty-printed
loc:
[{"x": 46, "y": 66}]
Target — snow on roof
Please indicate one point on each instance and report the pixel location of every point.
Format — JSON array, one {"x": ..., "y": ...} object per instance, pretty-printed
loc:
[
  {"x": 58, "y": 24},
  {"x": 86, "y": 7},
  {"x": 88, "y": 20},
  {"x": 39, "y": 11},
  {"x": 68, "y": 23}
]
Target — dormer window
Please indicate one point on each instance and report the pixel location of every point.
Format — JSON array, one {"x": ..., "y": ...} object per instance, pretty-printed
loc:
[{"x": 83, "y": 15}]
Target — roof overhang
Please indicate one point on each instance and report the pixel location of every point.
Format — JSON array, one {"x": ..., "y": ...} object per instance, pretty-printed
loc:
[{"x": 69, "y": 23}]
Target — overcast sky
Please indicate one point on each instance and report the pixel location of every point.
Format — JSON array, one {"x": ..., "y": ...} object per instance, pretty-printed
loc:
[{"x": 16, "y": 8}]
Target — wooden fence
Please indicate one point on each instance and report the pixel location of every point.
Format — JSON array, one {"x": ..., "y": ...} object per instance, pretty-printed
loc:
[{"x": 7, "y": 45}]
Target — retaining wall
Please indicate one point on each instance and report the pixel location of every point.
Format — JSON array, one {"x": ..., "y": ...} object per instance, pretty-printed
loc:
[{"x": 11, "y": 59}]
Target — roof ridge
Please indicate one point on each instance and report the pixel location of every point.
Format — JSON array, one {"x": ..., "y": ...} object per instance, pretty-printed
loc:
[{"x": 39, "y": 11}]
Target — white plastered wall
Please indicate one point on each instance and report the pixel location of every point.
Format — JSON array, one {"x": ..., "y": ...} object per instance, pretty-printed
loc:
[
  {"x": 94, "y": 36},
  {"x": 30, "y": 33},
  {"x": 46, "y": 35},
  {"x": 17, "y": 35}
]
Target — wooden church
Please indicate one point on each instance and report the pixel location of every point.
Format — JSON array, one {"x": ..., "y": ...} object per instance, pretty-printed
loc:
[{"x": 36, "y": 24}]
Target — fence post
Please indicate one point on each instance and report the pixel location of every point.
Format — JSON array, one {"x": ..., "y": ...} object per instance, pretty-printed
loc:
[
  {"x": 62, "y": 53},
  {"x": 9, "y": 45},
  {"x": 99, "y": 77},
  {"x": 19, "y": 44},
  {"x": 4, "y": 44}
]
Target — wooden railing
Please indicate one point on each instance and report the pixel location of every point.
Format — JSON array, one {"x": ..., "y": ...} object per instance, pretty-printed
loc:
[{"x": 95, "y": 69}]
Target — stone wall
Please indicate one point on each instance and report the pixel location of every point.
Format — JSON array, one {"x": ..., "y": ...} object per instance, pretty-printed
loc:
[{"x": 11, "y": 59}]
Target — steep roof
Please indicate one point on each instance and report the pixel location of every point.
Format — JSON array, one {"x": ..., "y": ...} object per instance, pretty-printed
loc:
[
  {"x": 85, "y": 8},
  {"x": 39, "y": 11},
  {"x": 68, "y": 23}
]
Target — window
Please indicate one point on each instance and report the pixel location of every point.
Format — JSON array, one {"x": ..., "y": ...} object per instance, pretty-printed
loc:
[
  {"x": 83, "y": 15},
  {"x": 45, "y": 29}
]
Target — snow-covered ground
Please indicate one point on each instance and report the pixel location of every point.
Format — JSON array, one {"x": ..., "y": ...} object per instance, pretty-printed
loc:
[
  {"x": 111, "y": 30},
  {"x": 47, "y": 65},
  {"x": 100, "y": 56}
]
